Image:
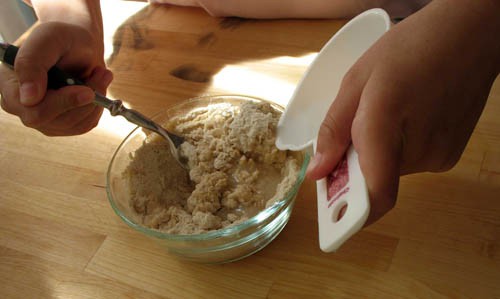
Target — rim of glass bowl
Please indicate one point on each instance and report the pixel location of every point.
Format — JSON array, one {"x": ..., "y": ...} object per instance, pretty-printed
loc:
[{"x": 260, "y": 217}]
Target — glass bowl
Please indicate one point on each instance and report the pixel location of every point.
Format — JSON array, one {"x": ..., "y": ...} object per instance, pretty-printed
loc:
[{"x": 220, "y": 246}]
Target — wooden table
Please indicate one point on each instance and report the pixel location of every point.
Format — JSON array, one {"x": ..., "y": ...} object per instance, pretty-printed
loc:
[{"x": 59, "y": 238}]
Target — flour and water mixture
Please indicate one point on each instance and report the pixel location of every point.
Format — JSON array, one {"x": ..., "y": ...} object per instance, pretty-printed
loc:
[{"x": 235, "y": 170}]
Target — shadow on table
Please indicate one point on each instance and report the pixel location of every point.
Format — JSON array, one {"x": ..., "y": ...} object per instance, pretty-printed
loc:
[{"x": 164, "y": 54}]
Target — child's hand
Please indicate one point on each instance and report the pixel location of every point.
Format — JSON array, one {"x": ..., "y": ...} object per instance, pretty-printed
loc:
[
  {"x": 412, "y": 101},
  {"x": 69, "y": 110}
]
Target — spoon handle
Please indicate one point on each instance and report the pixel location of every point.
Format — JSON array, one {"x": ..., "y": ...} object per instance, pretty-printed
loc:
[
  {"x": 116, "y": 108},
  {"x": 56, "y": 78}
]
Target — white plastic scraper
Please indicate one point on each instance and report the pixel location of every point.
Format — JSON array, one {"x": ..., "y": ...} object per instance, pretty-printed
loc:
[{"x": 299, "y": 125}]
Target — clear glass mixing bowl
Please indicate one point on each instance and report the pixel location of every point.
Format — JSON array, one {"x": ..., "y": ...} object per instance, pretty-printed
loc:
[{"x": 223, "y": 245}]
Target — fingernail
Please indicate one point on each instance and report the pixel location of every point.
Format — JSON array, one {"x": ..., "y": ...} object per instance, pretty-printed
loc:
[
  {"x": 28, "y": 93},
  {"x": 85, "y": 97},
  {"x": 316, "y": 160}
]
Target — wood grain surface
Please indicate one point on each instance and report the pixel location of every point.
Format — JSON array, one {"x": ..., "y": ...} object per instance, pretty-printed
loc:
[{"x": 59, "y": 238}]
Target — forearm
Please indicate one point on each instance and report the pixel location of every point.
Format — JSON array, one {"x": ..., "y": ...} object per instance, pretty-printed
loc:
[
  {"x": 85, "y": 13},
  {"x": 265, "y": 9},
  {"x": 469, "y": 27},
  {"x": 485, "y": 21}
]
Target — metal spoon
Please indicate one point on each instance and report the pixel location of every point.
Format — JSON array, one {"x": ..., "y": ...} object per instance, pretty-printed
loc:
[
  {"x": 116, "y": 107},
  {"x": 57, "y": 79}
]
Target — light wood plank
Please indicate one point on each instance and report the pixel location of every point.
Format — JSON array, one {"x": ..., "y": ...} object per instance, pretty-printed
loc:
[
  {"x": 146, "y": 265},
  {"x": 49, "y": 240},
  {"x": 94, "y": 214},
  {"x": 446, "y": 269},
  {"x": 59, "y": 238},
  {"x": 490, "y": 168},
  {"x": 27, "y": 276}
]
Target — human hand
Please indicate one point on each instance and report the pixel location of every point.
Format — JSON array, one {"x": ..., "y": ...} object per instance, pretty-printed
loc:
[
  {"x": 66, "y": 111},
  {"x": 411, "y": 102}
]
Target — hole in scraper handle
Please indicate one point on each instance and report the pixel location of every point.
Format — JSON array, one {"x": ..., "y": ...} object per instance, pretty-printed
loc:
[{"x": 339, "y": 211}]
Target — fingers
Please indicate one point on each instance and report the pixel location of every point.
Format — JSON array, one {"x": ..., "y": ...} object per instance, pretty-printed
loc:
[
  {"x": 34, "y": 59},
  {"x": 100, "y": 79},
  {"x": 89, "y": 122},
  {"x": 67, "y": 111},
  {"x": 9, "y": 88},
  {"x": 378, "y": 141},
  {"x": 85, "y": 119},
  {"x": 335, "y": 132},
  {"x": 54, "y": 104},
  {"x": 71, "y": 118}
]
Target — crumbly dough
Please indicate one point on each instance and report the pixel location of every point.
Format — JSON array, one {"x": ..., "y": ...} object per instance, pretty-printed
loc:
[{"x": 235, "y": 170}]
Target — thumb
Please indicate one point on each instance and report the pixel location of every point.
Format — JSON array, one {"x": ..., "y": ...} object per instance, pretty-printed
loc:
[
  {"x": 36, "y": 56},
  {"x": 31, "y": 84},
  {"x": 335, "y": 132}
]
